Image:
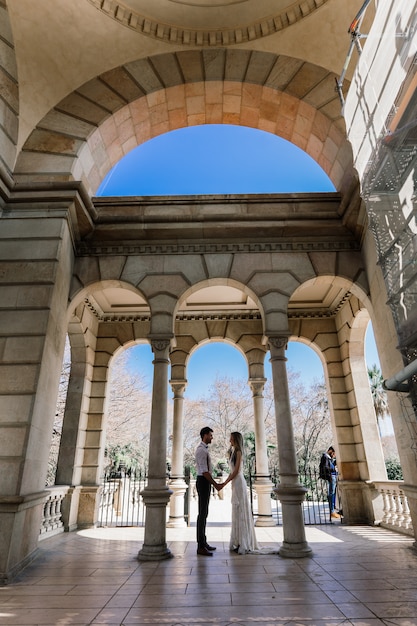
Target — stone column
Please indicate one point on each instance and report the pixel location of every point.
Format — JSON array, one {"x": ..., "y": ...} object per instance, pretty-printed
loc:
[
  {"x": 289, "y": 492},
  {"x": 263, "y": 484},
  {"x": 36, "y": 259},
  {"x": 76, "y": 508},
  {"x": 177, "y": 483},
  {"x": 156, "y": 494}
]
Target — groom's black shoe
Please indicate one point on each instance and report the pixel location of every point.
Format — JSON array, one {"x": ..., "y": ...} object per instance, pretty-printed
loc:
[
  {"x": 211, "y": 548},
  {"x": 204, "y": 552}
]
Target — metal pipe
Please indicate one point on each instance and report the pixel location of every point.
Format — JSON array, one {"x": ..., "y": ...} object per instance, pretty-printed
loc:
[
  {"x": 355, "y": 25},
  {"x": 396, "y": 383}
]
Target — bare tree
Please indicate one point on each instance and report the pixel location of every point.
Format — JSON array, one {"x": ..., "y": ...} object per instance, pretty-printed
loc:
[
  {"x": 227, "y": 407},
  {"x": 311, "y": 418},
  {"x": 128, "y": 416},
  {"x": 59, "y": 416}
]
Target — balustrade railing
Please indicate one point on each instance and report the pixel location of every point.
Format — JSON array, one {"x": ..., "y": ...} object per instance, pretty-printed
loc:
[
  {"x": 52, "y": 522},
  {"x": 396, "y": 513},
  {"x": 121, "y": 504}
]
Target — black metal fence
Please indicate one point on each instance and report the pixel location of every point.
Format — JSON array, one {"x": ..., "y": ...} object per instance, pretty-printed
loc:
[
  {"x": 122, "y": 505},
  {"x": 315, "y": 505}
]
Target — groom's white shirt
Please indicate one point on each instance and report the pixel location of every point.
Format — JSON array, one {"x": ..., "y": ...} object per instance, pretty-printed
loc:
[{"x": 202, "y": 459}]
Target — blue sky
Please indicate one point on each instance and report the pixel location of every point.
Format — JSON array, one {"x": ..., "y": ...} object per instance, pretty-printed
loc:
[
  {"x": 221, "y": 159},
  {"x": 215, "y": 159},
  {"x": 221, "y": 359}
]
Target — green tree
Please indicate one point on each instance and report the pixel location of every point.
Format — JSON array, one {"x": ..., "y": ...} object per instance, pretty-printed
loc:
[
  {"x": 125, "y": 458},
  {"x": 379, "y": 395},
  {"x": 394, "y": 469}
]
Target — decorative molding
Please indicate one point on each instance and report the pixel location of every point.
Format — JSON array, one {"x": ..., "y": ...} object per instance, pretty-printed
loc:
[
  {"x": 171, "y": 33},
  {"x": 321, "y": 314},
  {"x": 107, "y": 249},
  {"x": 246, "y": 316},
  {"x": 216, "y": 317}
]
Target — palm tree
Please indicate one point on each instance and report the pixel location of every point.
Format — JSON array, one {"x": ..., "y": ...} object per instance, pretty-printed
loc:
[{"x": 379, "y": 395}]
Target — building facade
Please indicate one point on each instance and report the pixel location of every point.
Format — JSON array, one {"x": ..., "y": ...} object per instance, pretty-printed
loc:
[{"x": 85, "y": 82}]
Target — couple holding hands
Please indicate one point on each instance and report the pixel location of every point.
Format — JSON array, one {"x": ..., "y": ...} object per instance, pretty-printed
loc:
[{"x": 242, "y": 538}]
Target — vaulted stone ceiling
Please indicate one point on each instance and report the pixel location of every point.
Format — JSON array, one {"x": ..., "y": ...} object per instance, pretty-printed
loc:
[{"x": 62, "y": 45}]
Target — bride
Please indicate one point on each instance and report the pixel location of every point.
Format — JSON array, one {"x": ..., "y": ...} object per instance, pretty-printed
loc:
[{"x": 242, "y": 537}]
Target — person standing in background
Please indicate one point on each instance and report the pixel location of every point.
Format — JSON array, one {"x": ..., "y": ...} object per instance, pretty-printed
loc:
[{"x": 328, "y": 472}]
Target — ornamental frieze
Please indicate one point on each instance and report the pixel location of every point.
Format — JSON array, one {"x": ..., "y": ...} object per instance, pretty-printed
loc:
[{"x": 207, "y": 22}]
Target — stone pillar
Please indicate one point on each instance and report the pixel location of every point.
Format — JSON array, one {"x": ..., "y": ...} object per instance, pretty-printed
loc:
[
  {"x": 263, "y": 484},
  {"x": 289, "y": 492},
  {"x": 177, "y": 483},
  {"x": 36, "y": 258},
  {"x": 81, "y": 387},
  {"x": 92, "y": 435},
  {"x": 156, "y": 494}
]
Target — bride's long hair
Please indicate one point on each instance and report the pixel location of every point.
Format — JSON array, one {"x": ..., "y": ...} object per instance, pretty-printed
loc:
[{"x": 237, "y": 446}]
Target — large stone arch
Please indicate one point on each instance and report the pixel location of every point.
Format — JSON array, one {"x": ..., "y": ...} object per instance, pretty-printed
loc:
[
  {"x": 244, "y": 330},
  {"x": 95, "y": 126},
  {"x": 337, "y": 333}
]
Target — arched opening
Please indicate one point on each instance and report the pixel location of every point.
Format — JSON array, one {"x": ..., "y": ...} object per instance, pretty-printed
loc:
[
  {"x": 214, "y": 159},
  {"x": 128, "y": 409}
]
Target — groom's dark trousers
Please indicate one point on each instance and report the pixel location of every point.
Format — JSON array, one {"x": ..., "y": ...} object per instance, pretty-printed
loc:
[{"x": 203, "y": 491}]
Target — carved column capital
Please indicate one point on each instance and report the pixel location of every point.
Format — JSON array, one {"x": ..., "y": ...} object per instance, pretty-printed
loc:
[
  {"x": 160, "y": 347},
  {"x": 178, "y": 387},
  {"x": 257, "y": 386},
  {"x": 278, "y": 342},
  {"x": 277, "y": 346},
  {"x": 160, "y": 343}
]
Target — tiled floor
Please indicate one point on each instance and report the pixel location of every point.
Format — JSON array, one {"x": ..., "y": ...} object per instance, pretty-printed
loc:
[{"x": 357, "y": 575}]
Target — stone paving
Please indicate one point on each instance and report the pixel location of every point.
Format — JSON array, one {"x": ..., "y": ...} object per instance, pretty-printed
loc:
[{"x": 364, "y": 576}]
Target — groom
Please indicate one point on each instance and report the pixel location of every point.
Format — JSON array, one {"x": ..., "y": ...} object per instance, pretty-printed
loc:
[{"x": 204, "y": 482}]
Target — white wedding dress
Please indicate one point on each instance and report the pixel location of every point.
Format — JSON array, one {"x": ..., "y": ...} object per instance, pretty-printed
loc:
[{"x": 242, "y": 536}]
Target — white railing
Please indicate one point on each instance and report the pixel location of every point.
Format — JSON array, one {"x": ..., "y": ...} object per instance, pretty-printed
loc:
[
  {"x": 52, "y": 522},
  {"x": 396, "y": 513}
]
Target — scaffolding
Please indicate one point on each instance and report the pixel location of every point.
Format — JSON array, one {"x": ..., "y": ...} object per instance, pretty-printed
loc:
[{"x": 389, "y": 188}]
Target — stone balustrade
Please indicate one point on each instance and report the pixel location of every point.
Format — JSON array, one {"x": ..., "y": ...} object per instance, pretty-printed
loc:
[
  {"x": 52, "y": 522},
  {"x": 396, "y": 513}
]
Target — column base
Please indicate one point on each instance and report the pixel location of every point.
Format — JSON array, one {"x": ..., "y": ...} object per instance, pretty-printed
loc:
[
  {"x": 69, "y": 508},
  {"x": 265, "y": 521},
  {"x": 6, "y": 578},
  {"x": 154, "y": 546},
  {"x": 88, "y": 504},
  {"x": 294, "y": 544},
  {"x": 176, "y": 522},
  {"x": 356, "y": 502},
  {"x": 263, "y": 487},
  {"x": 20, "y": 521},
  {"x": 154, "y": 553},
  {"x": 176, "y": 517},
  {"x": 295, "y": 551}
]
